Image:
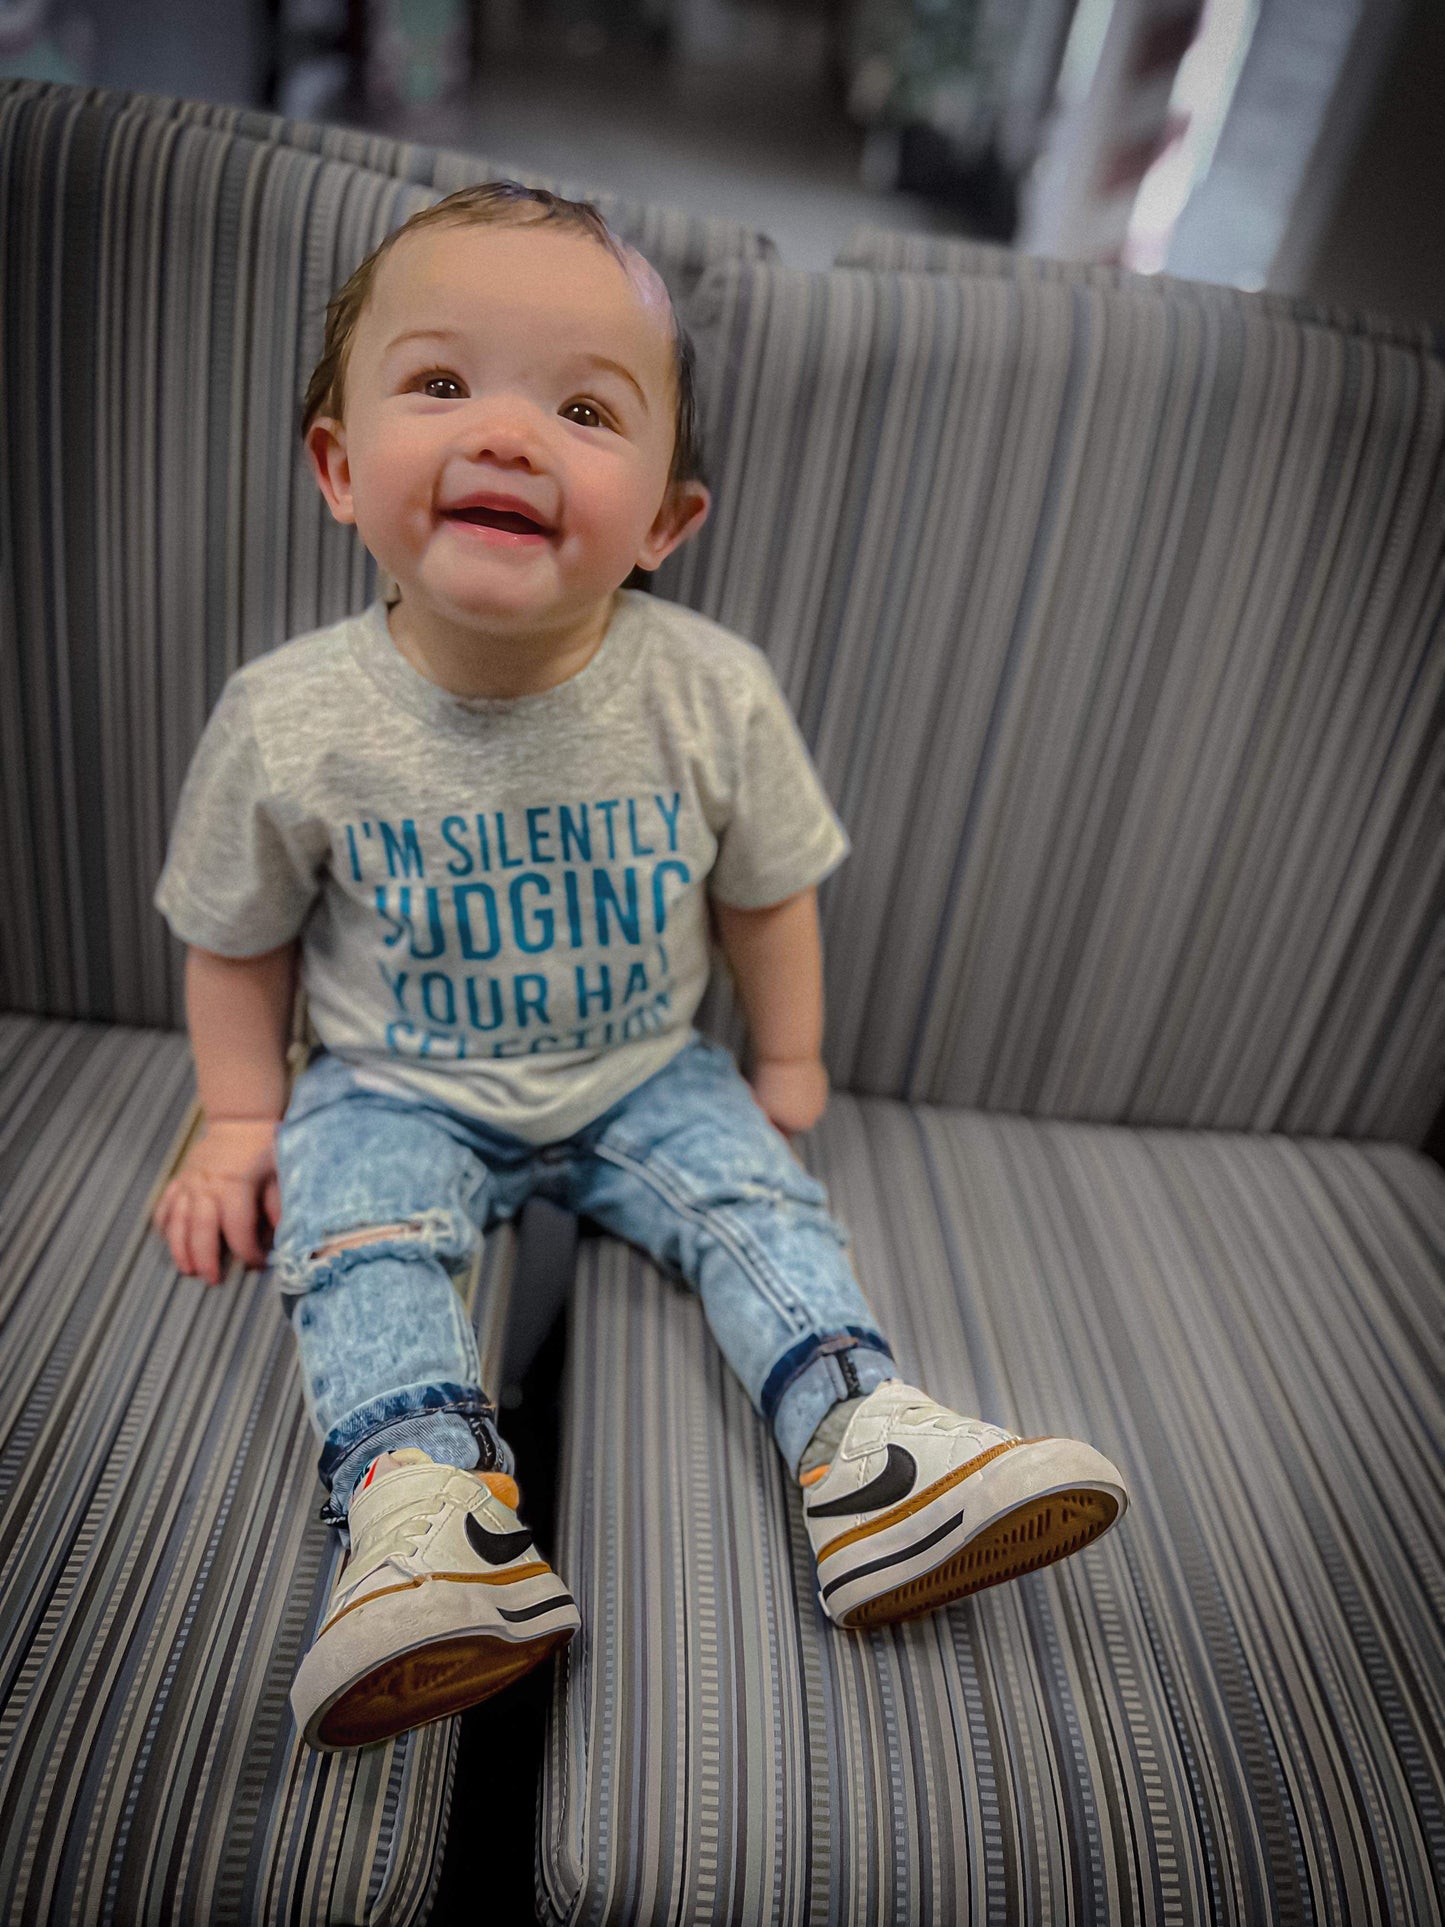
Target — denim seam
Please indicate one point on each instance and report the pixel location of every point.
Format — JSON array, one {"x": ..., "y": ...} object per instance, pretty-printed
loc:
[
  {"x": 459, "y": 1408},
  {"x": 725, "y": 1232},
  {"x": 679, "y": 1175},
  {"x": 826, "y": 1346},
  {"x": 466, "y": 1410},
  {"x": 782, "y": 1196}
]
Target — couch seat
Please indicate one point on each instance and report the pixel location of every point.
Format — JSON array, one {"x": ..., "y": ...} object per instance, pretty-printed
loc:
[{"x": 1228, "y": 1709}]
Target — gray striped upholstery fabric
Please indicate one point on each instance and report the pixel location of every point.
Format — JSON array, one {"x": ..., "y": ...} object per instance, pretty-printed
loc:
[
  {"x": 162, "y": 1567},
  {"x": 1116, "y": 625},
  {"x": 888, "y": 248},
  {"x": 162, "y": 300},
  {"x": 681, "y": 245},
  {"x": 1229, "y": 1710}
]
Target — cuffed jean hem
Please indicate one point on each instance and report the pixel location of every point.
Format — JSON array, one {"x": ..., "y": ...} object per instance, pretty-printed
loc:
[
  {"x": 453, "y": 1424},
  {"x": 830, "y": 1376}
]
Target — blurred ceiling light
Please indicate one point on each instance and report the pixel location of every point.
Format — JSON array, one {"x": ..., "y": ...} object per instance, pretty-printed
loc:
[{"x": 1198, "y": 103}]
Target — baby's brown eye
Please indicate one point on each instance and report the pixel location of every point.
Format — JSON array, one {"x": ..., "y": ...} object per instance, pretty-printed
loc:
[
  {"x": 586, "y": 406},
  {"x": 433, "y": 382}
]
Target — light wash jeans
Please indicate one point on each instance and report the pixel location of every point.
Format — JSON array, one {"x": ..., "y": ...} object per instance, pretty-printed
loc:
[{"x": 687, "y": 1165}]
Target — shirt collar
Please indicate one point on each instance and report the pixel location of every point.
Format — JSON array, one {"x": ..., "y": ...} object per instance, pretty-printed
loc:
[{"x": 611, "y": 664}]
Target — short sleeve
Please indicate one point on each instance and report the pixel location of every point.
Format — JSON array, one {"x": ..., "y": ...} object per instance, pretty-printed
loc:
[
  {"x": 239, "y": 878},
  {"x": 783, "y": 834}
]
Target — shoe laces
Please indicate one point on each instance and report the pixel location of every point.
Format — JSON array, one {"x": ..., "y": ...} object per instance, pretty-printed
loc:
[{"x": 931, "y": 1417}]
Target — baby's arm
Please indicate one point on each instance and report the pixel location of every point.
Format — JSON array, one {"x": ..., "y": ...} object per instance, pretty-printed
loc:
[
  {"x": 238, "y": 1011},
  {"x": 776, "y": 958}
]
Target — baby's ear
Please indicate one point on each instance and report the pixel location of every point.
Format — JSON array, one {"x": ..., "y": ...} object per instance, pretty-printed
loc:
[
  {"x": 326, "y": 448},
  {"x": 683, "y": 512}
]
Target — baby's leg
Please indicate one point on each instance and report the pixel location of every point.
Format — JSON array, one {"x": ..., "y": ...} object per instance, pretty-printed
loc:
[
  {"x": 381, "y": 1210},
  {"x": 690, "y": 1168},
  {"x": 910, "y": 1504},
  {"x": 444, "y": 1598}
]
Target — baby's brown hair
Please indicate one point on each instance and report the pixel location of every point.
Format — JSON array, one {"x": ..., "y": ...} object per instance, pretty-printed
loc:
[{"x": 500, "y": 203}]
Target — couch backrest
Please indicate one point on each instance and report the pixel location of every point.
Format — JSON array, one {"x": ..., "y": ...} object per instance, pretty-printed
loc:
[
  {"x": 1116, "y": 623},
  {"x": 876, "y": 247},
  {"x": 1113, "y": 620},
  {"x": 682, "y": 246},
  {"x": 163, "y": 287}
]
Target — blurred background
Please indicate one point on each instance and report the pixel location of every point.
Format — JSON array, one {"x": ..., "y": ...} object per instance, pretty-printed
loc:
[{"x": 1289, "y": 144}]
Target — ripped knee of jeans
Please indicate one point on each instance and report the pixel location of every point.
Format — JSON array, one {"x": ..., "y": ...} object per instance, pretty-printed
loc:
[
  {"x": 370, "y": 1237},
  {"x": 438, "y": 1232}
]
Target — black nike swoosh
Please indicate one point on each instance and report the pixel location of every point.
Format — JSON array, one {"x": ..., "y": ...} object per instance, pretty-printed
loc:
[
  {"x": 563, "y": 1598},
  {"x": 893, "y": 1483},
  {"x": 495, "y": 1547}
]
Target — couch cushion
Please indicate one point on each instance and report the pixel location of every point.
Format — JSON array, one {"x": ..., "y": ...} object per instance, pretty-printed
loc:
[
  {"x": 1228, "y": 1709},
  {"x": 1116, "y": 625},
  {"x": 876, "y": 247},
  {"x": 162, "y": 302},
  {"x": 162, "y": 1566}
]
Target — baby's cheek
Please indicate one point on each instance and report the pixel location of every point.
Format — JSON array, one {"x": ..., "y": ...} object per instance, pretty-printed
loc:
[
  {"x": 588, "y": 549},
  {"x": 614, "y": 501},
  {"x": 396, "y": 518},
  {"x": 375, "y": 498}
]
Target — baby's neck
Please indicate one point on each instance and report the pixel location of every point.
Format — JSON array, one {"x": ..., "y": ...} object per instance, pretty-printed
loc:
[{"x": 475, "y": 663}]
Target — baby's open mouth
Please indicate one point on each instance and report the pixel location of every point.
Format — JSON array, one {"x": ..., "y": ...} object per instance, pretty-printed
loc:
[{"x": 507, "y": 519}]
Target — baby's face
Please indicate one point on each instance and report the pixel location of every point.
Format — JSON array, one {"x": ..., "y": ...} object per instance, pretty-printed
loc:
[{"x": 499, "y": 374}]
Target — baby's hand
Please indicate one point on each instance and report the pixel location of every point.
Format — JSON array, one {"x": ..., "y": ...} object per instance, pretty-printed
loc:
[
  {"x": 793, "y": 1091},
  {"x": 226, "y": 1174}
]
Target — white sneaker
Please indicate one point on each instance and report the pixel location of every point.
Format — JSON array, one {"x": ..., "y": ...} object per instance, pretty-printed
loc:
[
  {"x": 922, "y": 1506},
  {"x": 443, "y": 1601}
]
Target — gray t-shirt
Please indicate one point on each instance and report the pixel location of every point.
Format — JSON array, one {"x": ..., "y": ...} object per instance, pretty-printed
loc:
[{"x": 501, "y": 901}]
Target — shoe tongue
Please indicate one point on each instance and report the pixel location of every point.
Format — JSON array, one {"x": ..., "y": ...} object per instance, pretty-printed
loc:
[
  {"x": 818, "y": 1472},
  {"x": 389, "y": 1461}
]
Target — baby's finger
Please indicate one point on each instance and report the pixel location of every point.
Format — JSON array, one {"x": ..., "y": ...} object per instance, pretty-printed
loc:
[
  {"x": 238, "y": 1221},
  {"x": 205, "y": 1245},
  {"x": 166, "y": 1204},
  {"x": 178, "y": 1230}
]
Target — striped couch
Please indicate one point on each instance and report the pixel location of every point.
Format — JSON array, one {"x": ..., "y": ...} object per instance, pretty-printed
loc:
[{"x": 1114, "y": 617}]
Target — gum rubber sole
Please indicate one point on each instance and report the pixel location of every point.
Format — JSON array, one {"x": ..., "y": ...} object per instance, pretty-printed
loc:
[
  {"x": 1031, "y": 1535},
  {"x": 429, "y": 1683}
]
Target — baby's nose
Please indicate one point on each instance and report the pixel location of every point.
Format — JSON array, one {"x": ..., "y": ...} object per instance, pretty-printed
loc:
[{"x": 503, "y": 431}]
